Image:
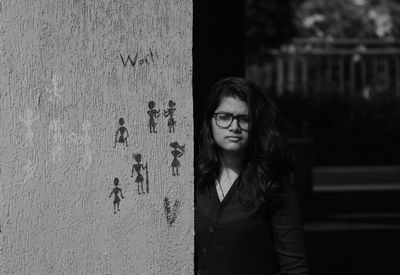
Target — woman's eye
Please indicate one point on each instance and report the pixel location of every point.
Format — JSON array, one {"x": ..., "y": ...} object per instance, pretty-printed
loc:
[
  {"x": 224, "y": 117},
  {"x": 244, "y": 119}
]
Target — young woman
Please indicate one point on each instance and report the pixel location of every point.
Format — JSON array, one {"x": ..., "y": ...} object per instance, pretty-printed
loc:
[{"x": 247, "y": 219}]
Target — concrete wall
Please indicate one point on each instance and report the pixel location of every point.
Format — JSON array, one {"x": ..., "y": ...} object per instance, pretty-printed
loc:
[{"x": 70, "y": 70}]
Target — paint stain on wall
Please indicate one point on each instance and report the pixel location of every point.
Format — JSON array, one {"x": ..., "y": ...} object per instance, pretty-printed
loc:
[
  {"x": 62, "y": 138},
  {"x": 57, "y": 150},
  {"x": 171, "y": 214},
  {"x": 86, "y": 160},
  {"x": 29, "y": 169},
  {"x": 28, "y": 119},
  {"x": 55, "y": 93},
  {"x": 6, "y": 158}
]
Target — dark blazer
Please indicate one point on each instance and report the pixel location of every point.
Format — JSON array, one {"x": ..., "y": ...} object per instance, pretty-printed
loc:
[{"x": 233, "y": 239}]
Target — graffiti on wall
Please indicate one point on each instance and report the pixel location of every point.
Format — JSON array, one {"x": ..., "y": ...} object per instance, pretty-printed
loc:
[
  {"x": 116, "y": 191},
  {"x": 171, "y": 214},
  {"x": 140, "y": 180},
  {"x": 177, "y": 152},
  {"x": 121, "y": 135},
  {"x": 169, "y": 112},
  {"x": 149, "y": 58},
  {"x": 153, "y": 114}
]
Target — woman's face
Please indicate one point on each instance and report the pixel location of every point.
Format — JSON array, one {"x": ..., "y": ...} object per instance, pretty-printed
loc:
[{"x": 232, "y": 139}]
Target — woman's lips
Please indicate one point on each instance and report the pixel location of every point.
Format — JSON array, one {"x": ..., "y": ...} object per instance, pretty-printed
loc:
[{"x": 234, "y": 139}]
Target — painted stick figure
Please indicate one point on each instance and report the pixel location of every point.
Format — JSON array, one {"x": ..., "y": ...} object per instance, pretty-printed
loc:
[
  {"x": 116, "y": 191},
  {"x": 170, "y": 113},
  {"x": 139, "y": 178},
  {"x": 178, "y": 151},
  {"x": 121, "y": 136},
  {"x": 153, "y": 113}
]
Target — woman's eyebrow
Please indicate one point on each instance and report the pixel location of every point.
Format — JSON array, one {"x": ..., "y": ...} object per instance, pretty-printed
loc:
[{"x": 230, "y": 113}]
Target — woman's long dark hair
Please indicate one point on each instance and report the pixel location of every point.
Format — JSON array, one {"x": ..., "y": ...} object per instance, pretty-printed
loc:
[{"x": 268, "y": 165}]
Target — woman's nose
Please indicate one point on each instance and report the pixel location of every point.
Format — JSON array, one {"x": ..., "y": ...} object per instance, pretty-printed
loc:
[{"x": 234, "y": 125}]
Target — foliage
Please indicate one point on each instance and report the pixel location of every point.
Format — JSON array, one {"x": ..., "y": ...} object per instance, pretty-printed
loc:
[
  {"x": 273, "y": 23},
  {"x": 349, "y": 18}
]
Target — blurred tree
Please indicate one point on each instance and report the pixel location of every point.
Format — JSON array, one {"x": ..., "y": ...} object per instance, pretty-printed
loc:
[
  {"x": 349, "y": 18},
  {"x": 273, "y": 23}
]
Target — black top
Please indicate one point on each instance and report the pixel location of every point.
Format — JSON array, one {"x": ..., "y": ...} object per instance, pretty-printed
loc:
[{"x": 234, "y": 239}]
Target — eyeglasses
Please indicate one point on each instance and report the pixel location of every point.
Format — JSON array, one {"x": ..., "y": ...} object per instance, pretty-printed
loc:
[{"x": 224, "y": 120}]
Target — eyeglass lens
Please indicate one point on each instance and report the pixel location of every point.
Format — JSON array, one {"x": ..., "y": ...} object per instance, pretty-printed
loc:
[{"x": 224, "y": 120}]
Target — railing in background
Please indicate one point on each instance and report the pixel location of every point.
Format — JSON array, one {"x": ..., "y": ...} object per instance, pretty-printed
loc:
[{"x": 313, "y": 67}]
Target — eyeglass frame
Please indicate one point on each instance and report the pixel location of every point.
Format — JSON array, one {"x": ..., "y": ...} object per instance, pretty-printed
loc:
[{"x": 233, "y": 117}]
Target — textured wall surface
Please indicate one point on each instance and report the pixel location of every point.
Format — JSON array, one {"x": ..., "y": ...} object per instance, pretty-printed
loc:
[{"x": 86, "y": 86}]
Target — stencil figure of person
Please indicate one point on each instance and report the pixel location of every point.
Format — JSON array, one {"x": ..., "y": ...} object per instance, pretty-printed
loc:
[
  {"x": 153, "y": 114},
  {"x": 121, "y": 136},
  {"x": 138, "y": 166},
  {"x": 116, "y": 191},
  {"x": 176, "y": 153},
  {"x": 170, "y": 113}
]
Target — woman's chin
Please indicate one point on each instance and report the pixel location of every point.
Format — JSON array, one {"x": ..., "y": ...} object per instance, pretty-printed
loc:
[{"x": 234, "y": 149}]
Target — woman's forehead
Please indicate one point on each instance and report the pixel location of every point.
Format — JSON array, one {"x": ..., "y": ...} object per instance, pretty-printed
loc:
[{"x": 232, "y": 105}]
